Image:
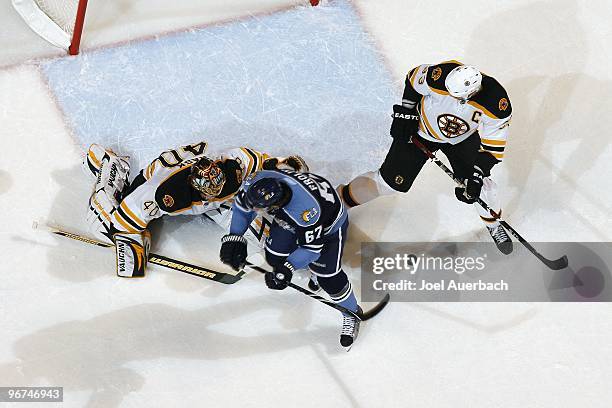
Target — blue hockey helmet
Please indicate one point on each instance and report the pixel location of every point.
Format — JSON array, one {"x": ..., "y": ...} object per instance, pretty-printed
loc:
[{"x": 268, "y": 193}]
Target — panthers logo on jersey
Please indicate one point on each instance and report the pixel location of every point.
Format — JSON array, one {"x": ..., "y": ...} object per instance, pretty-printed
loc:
[{"x": 309, "y": 214}]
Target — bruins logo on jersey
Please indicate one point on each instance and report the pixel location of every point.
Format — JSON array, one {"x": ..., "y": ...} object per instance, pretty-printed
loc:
[
  {"x": 452, "y": 126},
  {"x": 436, "y": 73},
  {"x": 168, "y": 201},
  {"x": 503, "y": 104}
]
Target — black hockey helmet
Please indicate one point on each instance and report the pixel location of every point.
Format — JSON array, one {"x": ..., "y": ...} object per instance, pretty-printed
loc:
[{"x": 268, "y": 193}]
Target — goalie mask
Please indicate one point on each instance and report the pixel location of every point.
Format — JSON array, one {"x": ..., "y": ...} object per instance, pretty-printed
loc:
[{"x": 207, "y": 178}]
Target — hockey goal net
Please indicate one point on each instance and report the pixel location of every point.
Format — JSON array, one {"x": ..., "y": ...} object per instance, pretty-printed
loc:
[{"x": 58, "y": 21}]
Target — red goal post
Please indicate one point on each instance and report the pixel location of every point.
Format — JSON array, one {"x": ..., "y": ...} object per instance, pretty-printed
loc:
[{"x": 60, "y": 22}]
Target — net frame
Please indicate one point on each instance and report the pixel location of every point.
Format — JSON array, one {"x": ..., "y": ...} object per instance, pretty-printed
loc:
[{"x": 60, "y": 22}]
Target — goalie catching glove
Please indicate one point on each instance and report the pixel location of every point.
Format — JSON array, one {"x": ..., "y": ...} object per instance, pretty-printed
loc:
[{"x": 111, "y": 172}]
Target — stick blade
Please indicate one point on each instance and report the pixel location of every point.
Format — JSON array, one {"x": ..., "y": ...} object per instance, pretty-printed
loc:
[
  {"x": 557, "y": 264},
  {"x": 376, "y": 309}
]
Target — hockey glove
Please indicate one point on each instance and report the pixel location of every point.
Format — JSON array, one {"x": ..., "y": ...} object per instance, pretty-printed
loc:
[
  {"x": 233, "y": 251},
  {"x": 280, "y": 277},
  {"x": 405, "y": 122},
  {"x": 295, "y": 163},
  {"x": 270, "y": 164},
  {"x": 473, "y": 185}
]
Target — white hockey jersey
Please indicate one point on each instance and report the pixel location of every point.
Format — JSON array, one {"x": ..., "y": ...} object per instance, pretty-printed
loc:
[
  {"x": 163, "y": 188},
  {"x": 444, "y": 119}
]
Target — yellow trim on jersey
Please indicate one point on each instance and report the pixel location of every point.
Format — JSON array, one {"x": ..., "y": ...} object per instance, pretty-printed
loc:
[
  {"x": 429, "y": 128},
  {"x": 414, "y": 75},
  {"x": 251, "y": 163},
  {"x": 133, "y": 216},
  {"x": 439, "y": 91},
  {"x": 124, "y": 223},
  {"x": 262, "y": 158},
  {"x": 188, "y": 208},
  {"x": 150, "y": 169},
  {"x": 493, "y": 142},
  {"x": 482, "y": 108},
  {"x": 259, "y": 159},
  {"x": 451, "y": 62},
  {"x": 497, "y": 155}
]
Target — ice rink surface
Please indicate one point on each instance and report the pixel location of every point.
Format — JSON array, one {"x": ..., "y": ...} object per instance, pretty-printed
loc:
[{"x": 282, "y": 77}]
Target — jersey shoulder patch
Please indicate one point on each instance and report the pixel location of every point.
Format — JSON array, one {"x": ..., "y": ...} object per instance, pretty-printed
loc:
[
  {"x": 436, "y": 75},
  {"x": 492, "y": 99},
  {"x": 303, "y": 208},
  {"x": 174, "y": 193}
]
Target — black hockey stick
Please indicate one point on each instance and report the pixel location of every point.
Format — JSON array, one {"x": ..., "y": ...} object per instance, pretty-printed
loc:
[
  {"x": 363, "y": 316},
  {"x": 554, "y": 264},
  {"x": 175, "y": 264}
]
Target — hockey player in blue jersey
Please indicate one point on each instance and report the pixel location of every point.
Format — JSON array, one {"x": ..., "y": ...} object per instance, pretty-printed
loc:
[{"x": 309, "y": 230}]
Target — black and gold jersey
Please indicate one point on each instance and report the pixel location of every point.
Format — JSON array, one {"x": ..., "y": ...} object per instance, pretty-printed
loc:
[
  {"x": 163, "y": 188},
  {"x": 445, "y": 119}
]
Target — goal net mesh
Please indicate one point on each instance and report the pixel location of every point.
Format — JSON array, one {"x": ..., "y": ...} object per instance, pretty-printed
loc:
[{"x": 62, "y": 12}]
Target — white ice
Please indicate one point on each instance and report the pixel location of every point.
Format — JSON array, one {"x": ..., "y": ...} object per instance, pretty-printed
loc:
[{"x": 171, "y": 339}]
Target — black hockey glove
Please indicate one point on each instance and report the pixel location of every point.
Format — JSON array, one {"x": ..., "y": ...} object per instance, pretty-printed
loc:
[
  {"x": 473, "y": 186},
  {"x": 280, "y": 277},
  {"x": 233, "y": 251},
  {"x": 405, "y": 122},
  {"x": 270, "y": 164},
  {"x": 295, "y": 163}
]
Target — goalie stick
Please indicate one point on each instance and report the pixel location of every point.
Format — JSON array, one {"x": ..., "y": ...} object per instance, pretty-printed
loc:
[
  {"x": 363, "y": 316},
  {"x": 554, "y": 264},
  {"x": 157, "y": 259},
  {"x": 216, "y": 276}
]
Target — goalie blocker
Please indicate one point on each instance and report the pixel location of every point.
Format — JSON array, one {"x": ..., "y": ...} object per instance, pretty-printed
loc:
[{"x": 132, "y": 252}]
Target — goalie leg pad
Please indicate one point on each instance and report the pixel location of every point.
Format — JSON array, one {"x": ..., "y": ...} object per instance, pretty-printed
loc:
[{"x": 132, "y": 252}]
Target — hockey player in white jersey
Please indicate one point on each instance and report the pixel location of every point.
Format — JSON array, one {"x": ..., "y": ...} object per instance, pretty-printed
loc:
[
  {"x": 458, "y": 110},
  {"x": 182, "y": 181}
]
